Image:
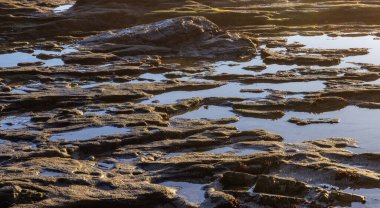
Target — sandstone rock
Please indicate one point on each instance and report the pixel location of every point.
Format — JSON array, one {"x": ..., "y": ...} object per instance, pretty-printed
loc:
[
  {"x": 272, "y": 57},
  {"x": 87, "y": 58},
  {"x": 190, "y": 36},
  {"x": 38, "y": 63},
  {"x": 257, "y": 68},
  {"x": 275, "y": 114},
  {"x": 308, "y": 121}
]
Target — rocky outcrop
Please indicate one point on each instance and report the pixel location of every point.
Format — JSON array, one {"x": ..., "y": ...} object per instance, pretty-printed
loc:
[{"x": 191, "y": 36}]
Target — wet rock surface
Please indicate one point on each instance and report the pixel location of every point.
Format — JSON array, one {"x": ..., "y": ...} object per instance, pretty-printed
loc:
[
  {"x": 189, "y": 37},
  {"x": 123, "y": 103}
]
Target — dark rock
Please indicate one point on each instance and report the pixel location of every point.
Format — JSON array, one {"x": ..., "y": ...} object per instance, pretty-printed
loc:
[
  {"x": 303, "y": 122},
  {"x": 273, "y": 57},
  {"x": 45, "y": 56},
  {"x": 257, "y": 68},
  {"x": 38, "y": 63},
  {"x": 190, "y": 36},
  {"x": 5, "y": 88},
  {"x": 280, "y": 186},
  {"x": 88, "y": 58}
]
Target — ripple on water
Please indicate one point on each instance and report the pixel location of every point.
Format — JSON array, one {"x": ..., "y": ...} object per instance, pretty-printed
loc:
[{"x": 89, "y": 133}]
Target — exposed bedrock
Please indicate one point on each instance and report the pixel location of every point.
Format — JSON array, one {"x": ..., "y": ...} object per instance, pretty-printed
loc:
[
  {"x": 25, "y": 21},
  {"x": 191, "y": 36}
]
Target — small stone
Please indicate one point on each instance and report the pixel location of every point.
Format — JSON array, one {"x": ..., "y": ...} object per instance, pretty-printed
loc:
[
  {"x": 91, "y": 158},
  {"x": 37, "y": 63},
  {"x": 45, "y": 56}
]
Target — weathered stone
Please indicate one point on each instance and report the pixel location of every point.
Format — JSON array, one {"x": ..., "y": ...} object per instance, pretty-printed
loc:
[
  {"x": 181, "y": 37},
  {"x": 303, "y": 122}
]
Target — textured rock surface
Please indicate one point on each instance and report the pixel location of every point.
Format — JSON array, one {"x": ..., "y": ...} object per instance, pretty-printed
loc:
[
  {"x": 191, "y": 37},
  {"x": 128, "y": 119}
]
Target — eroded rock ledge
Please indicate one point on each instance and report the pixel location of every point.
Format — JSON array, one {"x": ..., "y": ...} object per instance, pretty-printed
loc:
[
  {"x": 191, "y": 37},
  {"x": 48, "y": 160}
]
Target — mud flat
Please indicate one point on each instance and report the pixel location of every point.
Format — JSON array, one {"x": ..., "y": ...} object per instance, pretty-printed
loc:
[{"x": 110, "y": 103}]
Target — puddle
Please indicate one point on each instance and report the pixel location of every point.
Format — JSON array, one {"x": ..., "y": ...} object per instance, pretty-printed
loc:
[
  {"x": 24, "y": 89},
  {"x": 212, "y": 112},
  {"x": 358, "y": 123},
  {"x": 62, "y": 8},
  {"x": 326, "y": 42},
  {"x": 228, "y": 90},
  {"x": 153, "y": 77},
  {"x": 100, "y": 111},
  {"x": 95, "y": 112},
  {"x": 14, "y": 122},
  {"x": 89, "y": 133},
  {"x": 127, "y": 160},
  {"x": 189, "y": 191},
  {"x": 231, "y": 150},
  {"x": 297, "y": 96},
  {"x": 173, "y": 154},
  {"x": 232, "y": 67},
  {"x": 12, "y": 59},
  {"x": 51, "y": 173},
  {"x": 311, "y": 86},
  {"x": 105, "y": 166},
  {"x": 18, "y": 146},
  {"x": 233, "y": 90},
  {"x": 376, "y": 82},
  {"x": 193, "y": 79},
  {"x": 319, "y": 42},
  {"x": 96, "y": 84},
  {"x": 372, "y": 197},
  {"x": 220, "y": 150},
  {"x": 250, "y": 190},
  {"x": 147, "y": 78}
]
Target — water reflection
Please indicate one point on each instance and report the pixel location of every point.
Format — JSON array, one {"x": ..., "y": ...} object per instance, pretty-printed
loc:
[
  {"x": 326, "y": 42},
  {"x": 234, "y": 90},
  {"x": 62, "y": 8},
  {"x": 13, "y": 59},
  {"x": 190, "y": 191},
  {"x": 359, "y": 123}
]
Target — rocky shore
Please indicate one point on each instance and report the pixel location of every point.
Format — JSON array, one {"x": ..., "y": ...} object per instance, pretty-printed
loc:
[{"x": 168, "y": 103}]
